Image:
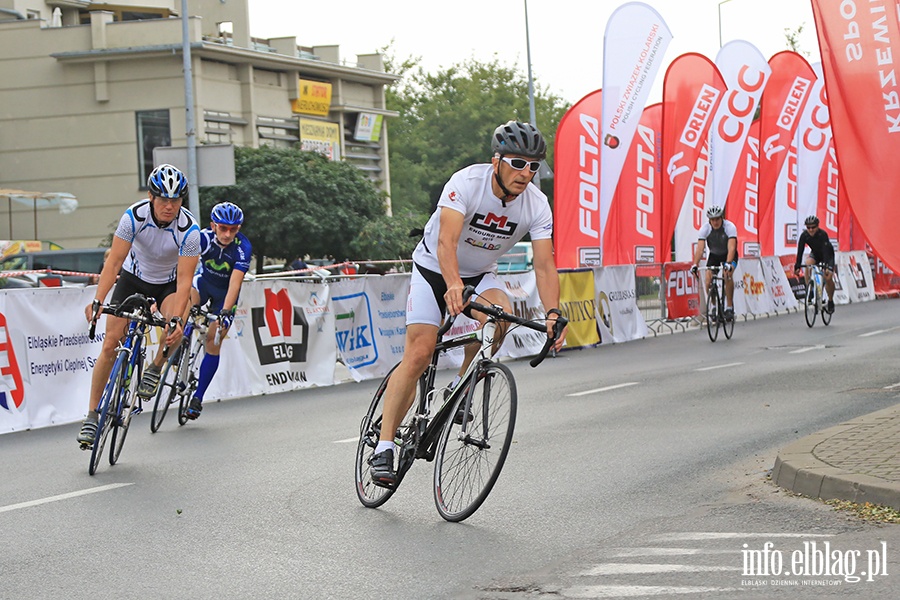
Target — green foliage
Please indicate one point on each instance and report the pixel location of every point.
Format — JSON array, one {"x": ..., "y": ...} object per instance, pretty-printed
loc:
[
  {"x": 297, "y": 202},
  {"x": 792, "y": 39},
  {"x": 387, "y": 238},
  {"x": 446, "y": 121}
]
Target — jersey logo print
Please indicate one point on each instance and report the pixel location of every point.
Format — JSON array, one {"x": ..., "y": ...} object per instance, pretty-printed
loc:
[
  {"x": 493, "y": 224},
  {"x": 216, "y": 266}
]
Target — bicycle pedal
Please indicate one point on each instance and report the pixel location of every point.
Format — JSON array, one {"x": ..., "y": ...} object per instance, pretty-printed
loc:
[{"x": 137, "y": 410}]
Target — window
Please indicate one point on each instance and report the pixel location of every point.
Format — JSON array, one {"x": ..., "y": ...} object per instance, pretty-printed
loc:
[{"x": 152, "y": 132}]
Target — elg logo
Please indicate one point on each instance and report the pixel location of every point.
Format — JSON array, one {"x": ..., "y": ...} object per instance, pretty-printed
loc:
[
  {"x": 280, "y": 329},
  {"x": 12, "y": 392}
]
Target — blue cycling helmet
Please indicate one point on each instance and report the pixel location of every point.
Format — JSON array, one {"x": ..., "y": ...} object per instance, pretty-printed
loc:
[
  {"x": 226, "y": 213},
  {"x": 166, "y": 181}
]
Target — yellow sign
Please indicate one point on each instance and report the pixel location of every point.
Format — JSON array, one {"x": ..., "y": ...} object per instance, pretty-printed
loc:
[
  {"x": 9, "y": 247},
  {"x": 314, "y": 98},
  {"x": 576, "y": 301},
  {"x": 322, "y": 137}
]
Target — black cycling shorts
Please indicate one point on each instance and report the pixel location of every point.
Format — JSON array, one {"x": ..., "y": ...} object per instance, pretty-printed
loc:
[
  {"x": 715, "y": 260},
  {"x": 129, "y": 284}
]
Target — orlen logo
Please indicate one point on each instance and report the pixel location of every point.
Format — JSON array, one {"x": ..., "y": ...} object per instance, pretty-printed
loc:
[
  {"x": 706, "y": 102},
  {"x": 741, "y": 102},
  {"x": 280, "y": 329},
  {"x": 12, "y": 392},
  {"x": 589, "y": 176},
  {"x": 493, "y": 223},
  {"x": 793, "y": 104}
]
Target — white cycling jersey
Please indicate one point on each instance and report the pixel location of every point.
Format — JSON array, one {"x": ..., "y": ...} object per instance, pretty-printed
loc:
[
  {"x": 490, "y": 229},
  {"x": 155, "y": 250}
]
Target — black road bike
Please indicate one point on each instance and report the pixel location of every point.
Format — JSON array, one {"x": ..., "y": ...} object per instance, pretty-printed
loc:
[{"x": 469, "y": 432}]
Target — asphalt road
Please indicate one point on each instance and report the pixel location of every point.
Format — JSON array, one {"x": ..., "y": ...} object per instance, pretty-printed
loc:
[{"x": 637, "y": 470}]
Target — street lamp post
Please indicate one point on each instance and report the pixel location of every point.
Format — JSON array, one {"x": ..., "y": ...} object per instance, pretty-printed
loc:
[
  {"x": 720, "y": 20},
  {"x": 191, "y": 130}
]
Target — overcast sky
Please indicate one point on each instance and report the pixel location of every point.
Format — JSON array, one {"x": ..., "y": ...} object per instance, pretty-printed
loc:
[{"x": 566, "y": 35}]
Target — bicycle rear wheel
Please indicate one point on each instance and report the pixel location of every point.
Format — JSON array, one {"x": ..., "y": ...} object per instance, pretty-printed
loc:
[
  {"x": 371, "y": 495},
  {"x": 712, "y": 312},
  {"x": 465, "y": 470},
  {"x": 189, "y": 378},
  {"x": 107, "y": 409},
  {"x": 168, "y": 387},
  {"x": 126, "y": 405},
  {"x": 810, "y": 304}
]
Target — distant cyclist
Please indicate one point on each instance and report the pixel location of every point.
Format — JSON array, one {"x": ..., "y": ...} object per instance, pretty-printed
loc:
[
  {"x": 721, "y": 237},
  {"x": 820, "y": 251},
  {"x": 154, "y": 252},
  {"x": 224, "y": 260}
]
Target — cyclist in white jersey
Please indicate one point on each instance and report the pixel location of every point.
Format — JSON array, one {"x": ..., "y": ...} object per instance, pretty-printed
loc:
[
  {"x": 482, "y": 212},
  {"x": 720, "y": 235},
  {"x": 154, "y": 252}
]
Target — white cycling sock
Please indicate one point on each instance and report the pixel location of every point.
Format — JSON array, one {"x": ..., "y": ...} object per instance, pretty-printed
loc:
[
  {"x": 455, "y": 381},
  {"x": 384, "y": 445}
]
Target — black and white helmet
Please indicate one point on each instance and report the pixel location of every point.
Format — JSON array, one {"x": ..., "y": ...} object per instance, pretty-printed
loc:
[
  {"x": 715, "y": 211},
  {"x": 812, "y": 221},
  {"x": 166, "y": 181},
  {"x": 519, "y": 138}
]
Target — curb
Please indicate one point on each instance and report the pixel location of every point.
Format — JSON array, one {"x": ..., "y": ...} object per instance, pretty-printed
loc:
[{"x": 798, "y": 469}]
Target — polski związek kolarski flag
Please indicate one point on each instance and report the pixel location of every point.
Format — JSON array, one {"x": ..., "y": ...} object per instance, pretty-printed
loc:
[
  {"x": 635, "y": 218},
  {"x": 576, "y": 185},
  {"x": 859, "y": 42},
  {"x": 692, "y": 90},
  {"x": 781, "y": 108},
  {"x": 745, "y": 72},
  {"x": 634, "y": 43}
]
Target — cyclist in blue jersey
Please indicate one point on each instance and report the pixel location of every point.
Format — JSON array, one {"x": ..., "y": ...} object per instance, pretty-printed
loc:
[
  {"x": 224, "y": 260},
  {"x": 154, "y": 252}
]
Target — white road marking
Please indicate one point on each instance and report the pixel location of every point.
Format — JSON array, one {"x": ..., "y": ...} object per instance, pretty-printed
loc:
[
  {"x": 347, "y": 441},
  {"x": 604, "y": 389},
  {"x": 635, "y": 552},
  {"x": 102, "y": 488},
  {"x": 719, "y": 367},
  {"x": 632, "y": 591},
  {"x": 878, "y": 332},
  {"x": 703, "y": 535},
  {"x": 807, "y": 349},
  {"x": 890, "y": 387},
  {"x": 635, "y": 568}
]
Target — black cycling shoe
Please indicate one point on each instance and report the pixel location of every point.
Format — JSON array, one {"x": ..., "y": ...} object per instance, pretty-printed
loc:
[
  {"x": 729, "y": 314},
  {"x": 830, "y": 307},
  {"x": 460, "y": 416},
  {"x": 193, "y": 409},
  {"x": 382, "y": 469}
]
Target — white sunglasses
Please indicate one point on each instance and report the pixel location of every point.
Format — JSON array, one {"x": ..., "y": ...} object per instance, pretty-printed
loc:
[{"x": 520, "y": 163}]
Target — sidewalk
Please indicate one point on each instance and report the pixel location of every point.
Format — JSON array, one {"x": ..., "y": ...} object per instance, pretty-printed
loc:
[{"x": 857, "y": 461}]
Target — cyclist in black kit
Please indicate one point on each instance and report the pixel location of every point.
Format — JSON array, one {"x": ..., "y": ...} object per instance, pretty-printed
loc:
[
  {"x": 820, "y": 251},
  {"x": 721, "y": 237}
]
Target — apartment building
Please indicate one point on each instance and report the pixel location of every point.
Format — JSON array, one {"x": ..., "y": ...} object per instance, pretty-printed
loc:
[{"x": 89, "y": 89}]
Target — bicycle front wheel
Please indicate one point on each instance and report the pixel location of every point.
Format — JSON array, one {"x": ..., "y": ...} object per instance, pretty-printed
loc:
[
  {"x": 126, "y": 409},
  {"x": 473, "y": 446},
  {"x": 810, "y": 304},
  {"x": 370, "y": 494},
  {"x": 826, "y": 316},
  {"x": 728, "y": 325},
  {"x": 107, "y": 408},
  {"x": 168, "y": 387},
  {"x": 712, "y": 313}
]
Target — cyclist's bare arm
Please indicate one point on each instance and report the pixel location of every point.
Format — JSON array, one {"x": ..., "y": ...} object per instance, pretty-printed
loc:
[
  {"x": 547, "y": 278},
  {"x": 448, "y": 241},
  {"x": 111, "y": 267},
  {"x": 176, "y": 304}
]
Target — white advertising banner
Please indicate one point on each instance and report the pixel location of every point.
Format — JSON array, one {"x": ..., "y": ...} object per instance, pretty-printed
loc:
[
  {"x": 370, "y": 323},
  {"x": 750, "y": 289},
  {"x": 616, "y": 310},
  {"x": 522, "y": 291},
  {"x": 46, "y": 357},
  {"x": 855, "y": 274},
  {"x": 285, "y": 340},
  {"x": 634, "y": 43},
  {"x": 693, "y": 209},
  {"x": 812, "y": 147},
  {"x": 777, "y": 284}
]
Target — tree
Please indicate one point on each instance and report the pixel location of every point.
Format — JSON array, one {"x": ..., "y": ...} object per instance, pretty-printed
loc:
[
  {"x": 389, "y": 238},
  {"x": 792, "y": 39},
  {"x": 446, "y": 120},
  {"x": 297, "y": 202}
]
